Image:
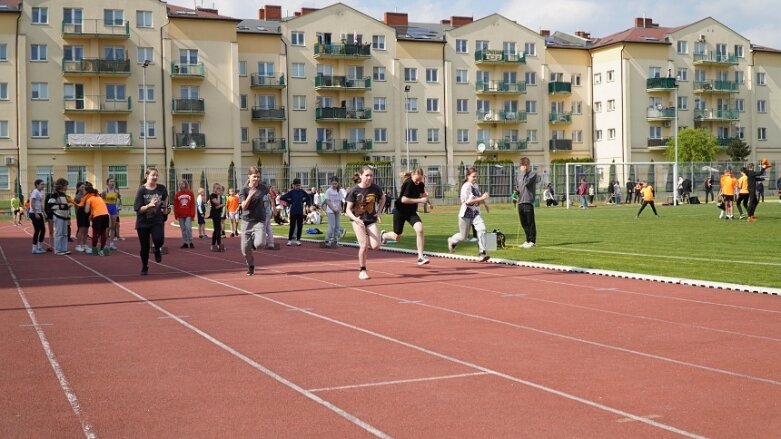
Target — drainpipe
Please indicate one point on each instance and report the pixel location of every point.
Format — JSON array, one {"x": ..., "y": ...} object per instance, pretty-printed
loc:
[
  {"x": 444, "y": 101},
  {"x": 287, "y": 99},
  {"x": 18, "y": 100},
  {"x": 163, "y": 101}
]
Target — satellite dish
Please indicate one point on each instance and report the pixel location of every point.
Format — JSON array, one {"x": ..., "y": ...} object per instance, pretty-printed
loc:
[
  {"x": 193, "y": 145},
  {"x": 481, "y": 147}
]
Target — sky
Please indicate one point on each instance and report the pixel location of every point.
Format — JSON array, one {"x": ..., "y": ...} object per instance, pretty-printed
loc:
[{"x": 750, "y": 18}]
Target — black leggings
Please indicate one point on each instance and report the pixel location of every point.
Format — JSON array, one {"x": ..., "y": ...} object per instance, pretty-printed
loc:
[
  {"x": 158, "y": 238},
  {"x": 646, "y": 203},
  {"x": 39, "y": 228},
  {"x": 217, "y": 233},
  {"x": 296, "y": 223},
  {"x": 742, "y": 200}
]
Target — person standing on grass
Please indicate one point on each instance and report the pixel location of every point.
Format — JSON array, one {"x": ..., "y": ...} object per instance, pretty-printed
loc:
[
  {"x": 760, "y": 191},
  {"x": 184, "y": 213},
  {"x": 38, "y": 217},
  {"x": 334, "y": 196},
  {"x": 412, "y": 193},
  {"x": 296, "y": 198},
  {"x": 151, "y": 207},
  {"x": 727, "y": 185},
  {"x": 215, "y": 213},
  {"x": 96, "y": 208},
  {"x": 708, "y": 189},
  {"x": 630, "y": 189},
  {"x": 647, "y": 192},
  {"x": 254, "y": 213},
  {"x": 469, "y": 214},
  {"x": 364, "y": 201},
  {"x": 742, "y": 188},
  {"x": 583, "y": 193},
  {"x": 527, "y": 182},
  {"x": 752, "y": 177}
]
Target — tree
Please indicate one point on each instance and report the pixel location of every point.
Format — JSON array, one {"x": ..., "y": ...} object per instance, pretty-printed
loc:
[
  {"x": 738, "y": 150},
  {"x": 694, "y": 145}
]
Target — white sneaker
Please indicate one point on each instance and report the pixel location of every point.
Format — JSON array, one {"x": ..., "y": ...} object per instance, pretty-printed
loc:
[
  {"x": 289, "y": 243},
  {"x": 298, "y": 243},
  {"x": 88, "y": 250},
  {"x": 451, "y": 247},
  {"x": 721, "y": 214},
  {"x": 472, "y": 239},
  {"x": 363, "y": 275},
  {"x": 79, "y": 248},
  {"x": 112, "y": 246},
  {"x": 530, "y": 245},
  {"x": 524, "y": 245},
  {"x": 423, "y": 261}
]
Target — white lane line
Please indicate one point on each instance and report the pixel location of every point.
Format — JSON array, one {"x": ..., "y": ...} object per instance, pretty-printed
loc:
[
  {"x": 35, "y": 325},
  {"x": 70, "y": 394},
  {"x": 645, "y": 255},
  {"x": 254, "y": 364},
  {"x": 391, "y": 383}
]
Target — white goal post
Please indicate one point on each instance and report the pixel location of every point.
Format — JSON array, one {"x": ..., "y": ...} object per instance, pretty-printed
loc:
[{"x": 600, "y": 174}]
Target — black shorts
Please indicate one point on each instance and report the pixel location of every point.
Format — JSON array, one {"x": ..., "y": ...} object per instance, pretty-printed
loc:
[
  {"x": 100, "y": 222},
  {"x": 82, "y": 218},
  {"x": 728, "y": 197},
  {"x": 201, "y": 218},
  {"x": 399, "y": 219}
]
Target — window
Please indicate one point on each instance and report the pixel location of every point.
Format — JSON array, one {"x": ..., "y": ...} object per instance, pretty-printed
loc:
[
  {"x": 378, "y": 42},
  {"x": 299, "y": 102},
  {"x": 576, "y": 80},
  {"x": 531, "y": 106},
  {"x": 611, "y": 105},
  {"x": 412, "y": 104},
  {"x": 740, "y": 133},
  {"x": 242, "y": 68},
  {"x": 119, "y": 174},
  {"x": 297, "y": 39},
  {"x": 114, "y": 52},
  {"x": 683, "y": 102},
  {"x": 611, "y": 133},
  {"x": 3, "y": 52},
  {"x": 188, "y": 56},
  {"x": 412, "y": 135},
  {"x": 244, "y": 135},
  {"x": 243, "y": 102},
  {"x": 40, "y": 16},
  {"x": 531, "y": 136},
  {"x": 462, "y": 105},
  {"x": 146, "y": 94},
  {"x": 3, "y": 91},
  {"x": 145, "y": 54},
  {"x": 462, "y": 76},
  {"x": 380, "y": 104},
  {"x": 39, "y": 90},
  {"x": 481, "y": 45},
  {"x": 577, "y": 107},
  {"x": 530, "y": 78},
  {"x": 4, "y": 129},
  {"x": 739, "y": 77},
  {"x": 410, "y": 74},
  {"x": 40, "y": 128},
  {"x": 761, "y": 106},
  {"x": 462, "y": 135},
  {"x": 432, "y": 105},
  {"x": 598, "y": 107},
  {"x": 611, "y": 75},
  {"x": 299, "y": 135},
  {"x": 577, "y": 136},
  {"x": 432, "y": 75},
  {"x": 760, "y": 78},
  {"x": 655, "y": 133},
  {"x": 297, "y": 70},
  {"x": 597, "y": 78},
  {"x": 144, "y": 19},
  {"x": 654, "y": 72},
  {"x": 378, "y": 73},
  {"x": 598, "y": 135},
  {"x": 381, "y": 135},
  {"x": 115, "y": 92},
  {"x": 761, "y": 133},
  {"x": 432, "y": 135},
  {"x": 266, "y": 69},
  {"x": 682, "y": 47},
  {"x": 150, "y": 129},
  {"x": 740, "y": 105},
  {"x": 739, "y": 51},
  {"x": 113, "y": 17},
  {"x": 462, "y": 46},
  {"x": 38, "y": 52},
  {"x": 4, "y": 178},
  {"x": 683, "y": 74},
  {"x": 530, "y": 49},
  {"x": 75, "y": 127},
  {"x": 118, "y": 126},
  {"x": 508, "y": 47}
]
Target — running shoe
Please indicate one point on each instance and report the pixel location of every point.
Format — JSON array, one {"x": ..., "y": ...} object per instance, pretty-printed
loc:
[
  {"x": 363, "y": 275},
  {"x": 423, "y": 261},
  {"x": 451, "y": 246},
  {"x": 483, "y": 257}
]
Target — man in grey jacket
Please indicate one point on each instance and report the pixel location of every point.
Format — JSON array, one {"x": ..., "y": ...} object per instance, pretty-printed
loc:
[{"x": 527, "y": 182}]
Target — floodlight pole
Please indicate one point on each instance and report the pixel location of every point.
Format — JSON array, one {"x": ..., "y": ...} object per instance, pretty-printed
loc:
[
  {"x": 143, "y": 87},
  {"x": 675, "y": 133},
  {"x": 406, "y": 123}
]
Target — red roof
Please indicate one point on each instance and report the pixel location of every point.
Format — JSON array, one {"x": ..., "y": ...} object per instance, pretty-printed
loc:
[
  {"x": 201, "y": 13},
  {"x": 653, "y": 34}
]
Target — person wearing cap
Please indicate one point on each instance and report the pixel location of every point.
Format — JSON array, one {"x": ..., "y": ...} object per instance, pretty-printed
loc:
[{"x": 296, "y": 198}]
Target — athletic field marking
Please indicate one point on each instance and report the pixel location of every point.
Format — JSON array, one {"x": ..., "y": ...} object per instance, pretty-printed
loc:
[
  {"x": 623, "y": 420},
  {"x": 167, "y": 317},
  {"x": 70, "y": 394},
  {"x": 257, "y": 366},
  {"x": 645, "y": 255},
  {"x": 298, "y": 309},
  {"x": 410, "y": 302},
  {"x": 35, "y": 325},
  {"x": 390, "y": 383}
]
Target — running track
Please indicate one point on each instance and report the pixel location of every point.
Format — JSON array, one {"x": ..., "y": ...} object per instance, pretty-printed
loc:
[{"x": 305, "y": 349}]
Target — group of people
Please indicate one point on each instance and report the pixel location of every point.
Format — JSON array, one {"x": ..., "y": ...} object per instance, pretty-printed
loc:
[{"x": 741, "y": 191}]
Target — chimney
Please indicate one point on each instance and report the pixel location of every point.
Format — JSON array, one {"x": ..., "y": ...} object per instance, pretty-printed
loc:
[
  {"x": 273, "y": 13},
  {"x": 544, "y": 33},
  {"x": 583, "y": 34},
  {"x": 396, "y": 19},
  {"x": 460, "y": 21},
  {"x": 207, "y": 10},
  {"x": 444, "y": 21},
  {"x": 639, "y": 22},
  {"x": 305, "y": 11},
  {"x": 649, "y": 22},
  {"x": 261, "y": 14}
]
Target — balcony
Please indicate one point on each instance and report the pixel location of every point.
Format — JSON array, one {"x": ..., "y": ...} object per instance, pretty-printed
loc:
[
  {"x": 724, "y": 142},
  {"x": 344, "y": 146},
  {"x": 721, "y": 59},
  {"x": 269, "y": 146},
  {"x": 715, "y": 86},
  {"x": 559, "y": 88},
  {"x": 96, "y": 67},
  {"x": 188, "y": 106},
  {"x": 716, "y": 115},
  {"x": 97, "y": 104},
  {"x": 658, "y": 143},
  {"x": 106, "y": 141},
  {"x": 660, "y": 113},
  {"x": 258, "y": 81},
  {"x": 343, "y": 83},
  {"x": 343, "y": 114},
  {"x": 498, "y": 57},
  {"x": 188, "y": 71},
  {"x": 189, "y": 140},
  {"x": 96, "y": 28},
  {"x": 500, "y": 87},
  {"x": 560, "y": 118},
  {"x": 504, "y": 145},
  {"x": 501, "y": 117},
  {"x": 660, "y": 84},
  {"x": 259, "y": 113},
  {"x": 560, "y": 145},
  {"x": 346, "y": 50}
]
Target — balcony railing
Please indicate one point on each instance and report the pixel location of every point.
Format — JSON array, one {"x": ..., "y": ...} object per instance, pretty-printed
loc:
[
  {"x": 97, "y": 104},
  {"x": 504, "y": 144},
  {"x": 195, "y": 71},
  {"x": 726, "y": 141},
  {"x": 716, "y": 58},
  {"x": 259, "y": 81},
  {"x": 344, "y": 145},
  {"x": 661, "y": 84},
  {"x": 500, "y": 87},
  {"x": 559, "y": 88},
  {"x": 189, "y": 140},
  {"x": 259, "y": 113},
  {"x": 343, "y": 82},
  {"x": 343, "y": 114},
  {"x": 346, "y": 50},
  {"x": 268, "y": 145},
  {"x": 503, "y": 117},
  {"x": 715, "y": 115},
  {"x": 96, "y": 28},
  {"x": 657, "y": 142},
  {"x": 557, "y": 118},
  {"x": 95, "y": 66},
  {"x": 716, "y": 86},
  {"x": 188, "y": 106},
  {"x": 560, "y": 145},
  {"x": 660, "y": 113},
  {"x": 99, "y": 140},
  {"x": 491, "y": 56}
]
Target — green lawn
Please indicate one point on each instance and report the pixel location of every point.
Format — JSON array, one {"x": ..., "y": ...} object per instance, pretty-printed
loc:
[{"x": 686, "y": 241}]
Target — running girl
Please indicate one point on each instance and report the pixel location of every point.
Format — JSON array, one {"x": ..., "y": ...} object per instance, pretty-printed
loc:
[
  {"x": 412, "y": 193},
  {"x": 363, "y": 201}
]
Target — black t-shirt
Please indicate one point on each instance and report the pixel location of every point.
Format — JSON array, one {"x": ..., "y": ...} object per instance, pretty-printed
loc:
[
  {"x": 410, "y": 190},
  {"x": 365, "y": 202},
  {"x": 255, "y": 210},
  {"x": 151, "y": 216},
  {"x": 214, "y": 201}
]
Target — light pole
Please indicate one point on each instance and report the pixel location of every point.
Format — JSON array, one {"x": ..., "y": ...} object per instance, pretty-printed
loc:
[
  {"x": 675, "y": 133},
  {"x": 146, "y": 95},
  {"x": 406, "y": 117}
]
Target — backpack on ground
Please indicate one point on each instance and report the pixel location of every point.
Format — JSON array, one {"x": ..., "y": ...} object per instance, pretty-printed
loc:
[{"x": 500, "y": 239}]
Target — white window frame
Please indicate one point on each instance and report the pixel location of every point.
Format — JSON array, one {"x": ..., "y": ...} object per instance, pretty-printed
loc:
[
  {"x": 410, "y": 74},
  {"x": 115, "y": 90},
  {"x": 462, "y": 105},
  {"x": 530, "y": 78},
  {"x": 39, "y": 53},
  {"x": 39, "y": 129},
  {"x": 147, "y": 95},
  {"x": 761, "y": 106},
  {"x": 432, "y": 74},
  {"x": 462, "y": 135},
  {"x": 682, "y": 47},
  {"x": 598, "y": 135},
  {"x": 611, "y": 134},
  {"x": 378, "y": 42},
  {"x": 244, "y": 102},
  {"x": 530, "y": 106},
  {"x": 462, "y": 46},
  {"x": 151, "y": 129},
  {"x": 380, "y": 104},
  {"x": 3, "y": 52},
  {"x": 597, "y": 78},
  {"x": 144, "y": 19},
  {"x": 299, "y": 102},
  {"x": 381, "y": 135},
  {"x": 145, "y": 54},
  {"x": 412, "y": 105},
  {"x": 761, "y": 78},
  {"x": 4, "y": 134},
  {"x": 611, "y": 105},
  {"x": 297, "y": 38},
  {"x": 762, "y": 134},
  {"x": 432, "y": 135},
  {"x": 299, "y": 135},
  {"x": 243, "y": 68},
  {"x": 39, "y": 15},
  {"x": 3, "y": 91},
  {"x": 298, "y": 70},
  {"x": 610, "y": 75},
  {"x": 379, "y": 73},
  {"x": 39, "y": 91},
  {"x": 114, "y": 20},
  {"x": 462, "y": 76},
  {"x": 412, "y": 135},
  {"x": 530, "y": 49},
  {"x": 432, "y": 105},
  {"x": 244, "y": 133}
]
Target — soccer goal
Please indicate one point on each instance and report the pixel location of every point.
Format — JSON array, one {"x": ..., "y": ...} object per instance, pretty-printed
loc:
[{"x": 602, "y": 178}]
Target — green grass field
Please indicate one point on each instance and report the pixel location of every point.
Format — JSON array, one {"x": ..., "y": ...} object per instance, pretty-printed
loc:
[{"x": 686, "y": 241}]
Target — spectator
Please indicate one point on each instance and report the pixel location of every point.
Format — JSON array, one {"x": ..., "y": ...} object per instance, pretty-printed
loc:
[
  {"x": 630, "y": 189},
  {"x": 297, "y": 199},
  {"x": 708, "y": 189}
]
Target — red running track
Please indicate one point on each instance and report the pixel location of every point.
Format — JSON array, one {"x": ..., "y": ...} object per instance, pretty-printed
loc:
[{"x": 305, "y": 349}]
